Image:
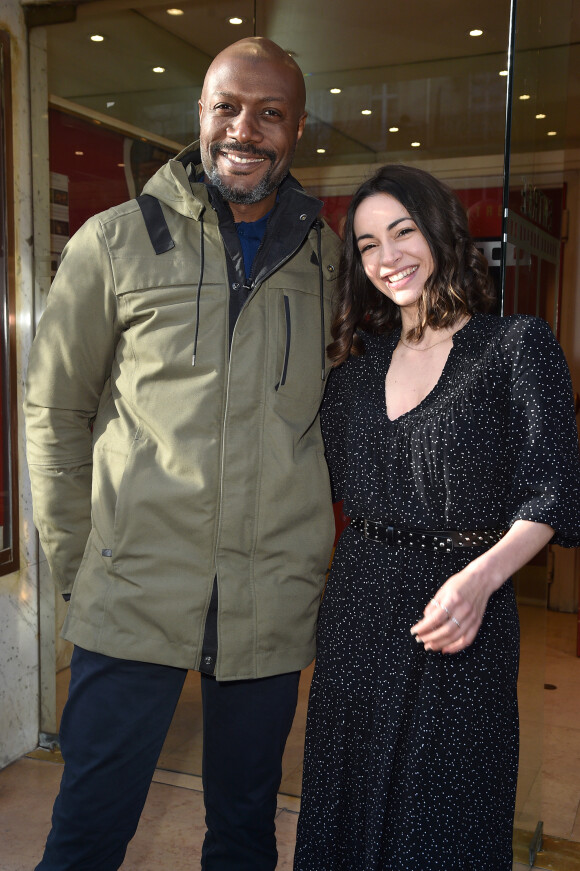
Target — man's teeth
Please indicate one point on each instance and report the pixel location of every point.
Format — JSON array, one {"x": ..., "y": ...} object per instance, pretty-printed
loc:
[
  {"x": 236, "y": 158},
  {"x": 403, "y": 274}
]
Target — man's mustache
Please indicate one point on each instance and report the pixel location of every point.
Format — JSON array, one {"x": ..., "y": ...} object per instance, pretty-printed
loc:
[{"x": 216, "y": 147}]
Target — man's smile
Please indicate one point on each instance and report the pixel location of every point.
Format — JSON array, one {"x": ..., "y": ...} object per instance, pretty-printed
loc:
[{"x": 239, "y": 158}]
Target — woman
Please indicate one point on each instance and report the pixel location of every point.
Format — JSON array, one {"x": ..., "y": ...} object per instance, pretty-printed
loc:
[{"x": 450, "y": 435}]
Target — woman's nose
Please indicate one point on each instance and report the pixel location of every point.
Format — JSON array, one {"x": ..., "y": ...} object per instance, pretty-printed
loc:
[{"x": 390, "y": 253}]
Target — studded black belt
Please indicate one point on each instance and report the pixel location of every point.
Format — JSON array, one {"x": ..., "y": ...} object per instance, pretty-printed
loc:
[{"x": 442, "y": 541}]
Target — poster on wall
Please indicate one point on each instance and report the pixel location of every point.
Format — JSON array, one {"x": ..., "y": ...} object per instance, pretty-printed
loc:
[{"x": 59, "y": 218}]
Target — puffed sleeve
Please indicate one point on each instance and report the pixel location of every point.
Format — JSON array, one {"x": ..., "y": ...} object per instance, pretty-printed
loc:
[
  {"x": 333, "y": 418},
  {"x": 543, "y": 436}
]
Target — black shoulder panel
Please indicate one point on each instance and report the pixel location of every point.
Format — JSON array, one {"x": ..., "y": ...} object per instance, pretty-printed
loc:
[{"x": 155, "y": 223}]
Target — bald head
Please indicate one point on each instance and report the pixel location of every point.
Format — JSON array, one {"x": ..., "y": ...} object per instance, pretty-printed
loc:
[
  {"x": 259, "y": 51},
  {"x": 251, "y": 115}
]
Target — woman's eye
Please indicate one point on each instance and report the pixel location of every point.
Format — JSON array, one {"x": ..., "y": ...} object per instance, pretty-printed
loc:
[
  {"x": 404, "y": 231},
  {"x": 367, "y": 247}
]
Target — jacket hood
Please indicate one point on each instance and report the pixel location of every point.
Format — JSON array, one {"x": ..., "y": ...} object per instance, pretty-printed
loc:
[{"x": 172, "y": 184}]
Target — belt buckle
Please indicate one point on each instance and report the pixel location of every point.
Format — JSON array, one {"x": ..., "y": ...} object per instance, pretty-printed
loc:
[
  {"x": 368, "y": 533},
  {"x": 366, "y": 529}
]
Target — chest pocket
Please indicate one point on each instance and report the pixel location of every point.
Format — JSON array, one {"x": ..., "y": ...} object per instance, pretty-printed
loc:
[{"x": 298, "y": 351}]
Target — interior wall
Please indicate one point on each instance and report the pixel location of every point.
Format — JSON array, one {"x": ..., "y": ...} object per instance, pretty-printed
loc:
[{"x": 18, "y": 591}]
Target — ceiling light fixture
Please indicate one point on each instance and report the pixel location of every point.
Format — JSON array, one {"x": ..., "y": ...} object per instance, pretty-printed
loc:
[
  {"x": 236, "y": 20},
  {"x": 158, "y": 69},
  {"x": 172, "y": 12},
  {"x": 97, "y": 37},
  {"x": 540, "y": 115},
  {"x": 321, "y": 150},
  {"x": 393, "y": 129},
  {"x": 120, "y": 164},
  {"x": 476, "y": 32},
  {"x": 366, "y": 112},
  {"x": 552, "y": 132},
  {"x": 79, "y": 153},
  {"x": 524, "y": 96},
  {"x": 336, "y": 90},
  {"x": 415, "y": 144},
  {"x": 110, "y": 103},
  {"x": 503, "y": 72}
]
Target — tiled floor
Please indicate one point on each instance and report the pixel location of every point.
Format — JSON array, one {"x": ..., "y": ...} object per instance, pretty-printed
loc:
[{"x": 171, "y": 829}]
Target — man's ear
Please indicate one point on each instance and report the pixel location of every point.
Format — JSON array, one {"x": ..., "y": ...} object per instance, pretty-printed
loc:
[{"x": 301, "y": 123}]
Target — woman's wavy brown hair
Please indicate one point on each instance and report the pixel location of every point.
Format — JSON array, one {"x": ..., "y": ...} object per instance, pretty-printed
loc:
[{"x": 459, "y": 285}]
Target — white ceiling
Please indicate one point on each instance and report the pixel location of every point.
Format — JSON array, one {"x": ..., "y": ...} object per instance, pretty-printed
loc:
[{"x": 413, "y": 64}]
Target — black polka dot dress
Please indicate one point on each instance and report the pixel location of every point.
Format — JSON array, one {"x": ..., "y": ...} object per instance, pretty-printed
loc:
[{"x": 411, "y": 756}]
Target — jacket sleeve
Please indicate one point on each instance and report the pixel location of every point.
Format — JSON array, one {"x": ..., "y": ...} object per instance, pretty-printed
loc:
[{"x": 69, "y": 367}]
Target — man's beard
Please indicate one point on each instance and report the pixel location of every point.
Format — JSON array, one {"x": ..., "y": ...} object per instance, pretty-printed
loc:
[{"x": 240, "y": 195}]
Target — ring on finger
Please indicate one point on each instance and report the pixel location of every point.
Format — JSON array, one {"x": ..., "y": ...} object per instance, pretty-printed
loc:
[
  {"x": 456, "y": 621},
  {"x": 443, "y": 608}
]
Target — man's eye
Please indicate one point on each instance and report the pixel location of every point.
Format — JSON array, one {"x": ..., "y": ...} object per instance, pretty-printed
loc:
[
  {"x": 221, "y": 107},
  {"x": 272, "y": 112}
]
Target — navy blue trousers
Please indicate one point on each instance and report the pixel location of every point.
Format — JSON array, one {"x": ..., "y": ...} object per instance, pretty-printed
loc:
[{"x": 112, "y": 731}]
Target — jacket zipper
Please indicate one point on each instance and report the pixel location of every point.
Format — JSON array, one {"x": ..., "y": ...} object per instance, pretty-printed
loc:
[{"x": 253, "y": 290}]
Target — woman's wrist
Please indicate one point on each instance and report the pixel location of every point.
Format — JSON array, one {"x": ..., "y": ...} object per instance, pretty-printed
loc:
[{"x": 488, "y": 571}]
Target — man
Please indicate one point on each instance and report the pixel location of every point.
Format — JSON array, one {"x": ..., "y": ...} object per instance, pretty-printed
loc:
[{"x": 176, "y": 462}]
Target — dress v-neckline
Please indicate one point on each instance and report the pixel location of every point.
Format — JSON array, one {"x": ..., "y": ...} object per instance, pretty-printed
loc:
[{"x": 436, "y": 387}]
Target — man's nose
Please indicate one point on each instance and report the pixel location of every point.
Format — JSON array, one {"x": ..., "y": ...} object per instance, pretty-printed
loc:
[{"x": 245, "y": 128}]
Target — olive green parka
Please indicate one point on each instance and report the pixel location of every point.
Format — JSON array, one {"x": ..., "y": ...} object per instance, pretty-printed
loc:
[{"x": 151, "y": 476}]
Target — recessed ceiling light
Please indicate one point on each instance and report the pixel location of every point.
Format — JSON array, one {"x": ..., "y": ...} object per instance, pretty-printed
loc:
[
  {"x": 524, "y": 96},
  {"x": 321, "y": 150},
  {"x": 97, "y": 37},
  {"x": 415, "y": 144},
  {"x": 393, "y": 129},
  {"x": 503, "y": 72},
  {"x": 366, "y": 112},
  {"x": 476, "y": 32},
  {"x": 236, "y": 20},
  {"x": 552, "y": 132},
  {"x": 79, "y": 153},
  {"x": 172, "y": 12},
  {"x": 158, "y": 69},
  {"x": 120, "y": 164},
  {"x": 540, "y": 115},
  {"x": 110, "y": 103},
  {"x": 336, "y": 90}
]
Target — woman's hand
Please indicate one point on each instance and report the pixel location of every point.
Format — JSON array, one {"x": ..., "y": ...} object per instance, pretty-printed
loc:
[{"x": 453, "y": 616}]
